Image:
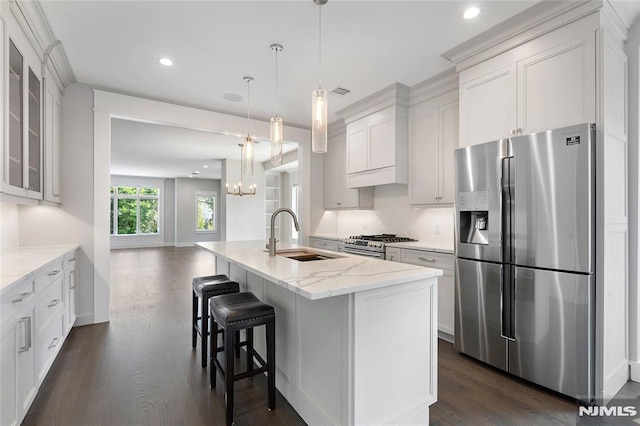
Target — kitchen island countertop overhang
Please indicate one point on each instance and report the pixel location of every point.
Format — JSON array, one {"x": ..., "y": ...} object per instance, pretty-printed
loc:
[
  {"x": 356, "y": 338},
  {"x": 343, "y": 274}
]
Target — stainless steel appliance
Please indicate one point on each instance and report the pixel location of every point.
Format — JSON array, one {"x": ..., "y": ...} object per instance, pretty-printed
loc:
[
  {"x": 525, "y": 264},
  {"x": 371, "y": 245}
]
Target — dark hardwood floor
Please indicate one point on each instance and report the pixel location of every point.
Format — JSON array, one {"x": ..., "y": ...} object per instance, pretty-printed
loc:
[{"x": 139, "y": 369}]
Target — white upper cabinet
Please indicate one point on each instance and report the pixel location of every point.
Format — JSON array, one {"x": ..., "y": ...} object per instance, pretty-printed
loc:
[
  {"x": 22, "y": 147},
  {"x": 52, "y": 138},
  {"x": 377, "y": 138},
  {"x": 543, "y": 84},
  {"x": 336, "y": 194},
  {"x": 433, "y": 136}
]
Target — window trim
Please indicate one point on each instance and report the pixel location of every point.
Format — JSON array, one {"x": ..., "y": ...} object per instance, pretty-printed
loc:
[{"x": 213, "y": 194}]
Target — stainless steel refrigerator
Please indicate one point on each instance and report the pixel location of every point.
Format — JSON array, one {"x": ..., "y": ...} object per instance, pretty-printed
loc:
[{"x": 525, "y": 264}]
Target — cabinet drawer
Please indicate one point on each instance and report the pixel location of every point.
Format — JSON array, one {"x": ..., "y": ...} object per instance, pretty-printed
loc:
[
  {"x": 428, "y": 258},
  {"x": 48, "y": 275},
  {"x": 49, "y": 343},
  {"x": 393, "y": 254},
  {"x": 17, "y": 296},
  {"x": 49, "y": 302},
  {"x": 324, "y": 244}
]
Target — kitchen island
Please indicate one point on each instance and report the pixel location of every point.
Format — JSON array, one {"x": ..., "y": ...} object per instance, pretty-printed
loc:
[{"x": 356, "y": 338}]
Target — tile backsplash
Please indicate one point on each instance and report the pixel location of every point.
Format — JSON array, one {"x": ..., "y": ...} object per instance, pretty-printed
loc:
[{"x": 392, "y": 213}]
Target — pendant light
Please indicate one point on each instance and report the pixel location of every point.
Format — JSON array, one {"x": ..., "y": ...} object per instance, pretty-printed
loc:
[
  {"x": 237, "y": 189},
  {"x": 319, "y": 98},
  {"x": 249, "y": 142},
  {"x": 275, "y": 125}
]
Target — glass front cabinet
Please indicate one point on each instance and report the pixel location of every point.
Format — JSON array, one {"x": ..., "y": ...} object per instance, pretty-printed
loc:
[{"x": 22, "y": 148}]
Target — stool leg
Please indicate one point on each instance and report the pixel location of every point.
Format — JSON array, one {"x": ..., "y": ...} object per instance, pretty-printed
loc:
[
  {"x": 249, "y": 332},
  {"x": 229, "y": 373},
  {"x": 205, "y": 329},
  {"x": 238, "y": 344},
  {"x": 271, "y": 363},
  {"x": 213, "y": 343},
  {"x": 194, "y": 321}
]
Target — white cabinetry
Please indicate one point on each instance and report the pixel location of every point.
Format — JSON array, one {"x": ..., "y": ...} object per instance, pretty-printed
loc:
[
  {"x": 52, "y": 138},
  {"x": 325, "y": 244},
  {"x": 336, "y": 194},
  {"x": 436, "y": 260},
  {"x": 17, "y": 351},
  {"x": 543, "y": 84},
  {"x": 22, "y": 147},
  {"x": 433, "y": 136},
  {"x": 34, "y": 323},
  {"x": 272, "y": 203},
  {"x": 377, "y": 138},
  {"x": 69, "y": 291}
]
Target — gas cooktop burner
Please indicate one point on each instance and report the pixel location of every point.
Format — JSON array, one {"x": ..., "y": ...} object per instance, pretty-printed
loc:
[{"x": 376, "y": 240}]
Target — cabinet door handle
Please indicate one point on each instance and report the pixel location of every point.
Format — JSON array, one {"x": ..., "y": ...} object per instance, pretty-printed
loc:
[
  {"x": 54, "y": 302},
  {"x": 53, "y": 273},
  {"x": 21, "y": 298},
  {"x": 513, "y": 132},
  {"x": 54, "y": 342},
  {"x": 26, "y": 321},
  {"x": 427, "y": 259}
]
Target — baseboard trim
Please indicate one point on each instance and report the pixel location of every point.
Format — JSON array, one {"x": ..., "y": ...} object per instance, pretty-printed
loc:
[
  {"x": 635, "y": 371},
  {"x": 445, "y": 336},
  {"x": 184, "y": 244},
  {"x": 86, "y": 319}
]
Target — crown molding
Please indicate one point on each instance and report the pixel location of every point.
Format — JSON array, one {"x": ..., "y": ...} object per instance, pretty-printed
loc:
[
  {"x": 435, "y": 86},
  {"x": 533, "y": 22},
  {"x": 396, "y": 94},
  {"x": 31, "y": 18}
]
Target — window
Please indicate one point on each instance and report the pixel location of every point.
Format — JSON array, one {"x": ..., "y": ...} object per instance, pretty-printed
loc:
[
  {"x": 134, "y": 210},
  {"x": 206, "y": 211}
]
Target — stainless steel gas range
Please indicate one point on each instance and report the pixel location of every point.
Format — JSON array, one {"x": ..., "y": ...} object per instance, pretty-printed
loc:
[{"x": 371, "y": 245}]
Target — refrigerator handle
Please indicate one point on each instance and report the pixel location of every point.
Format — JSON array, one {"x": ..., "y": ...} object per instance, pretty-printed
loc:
[
  {"x": 507, "y": 303},
  {"x": 507, "y": 209}
]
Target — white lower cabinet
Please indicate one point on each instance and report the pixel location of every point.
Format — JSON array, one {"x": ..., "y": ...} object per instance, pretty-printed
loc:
[
  {"x": 17, "y": 357},
  {"x": 35, "y": 320},
  {"x": 325, "y": 244},
  {"x": 445, "y": 282}
]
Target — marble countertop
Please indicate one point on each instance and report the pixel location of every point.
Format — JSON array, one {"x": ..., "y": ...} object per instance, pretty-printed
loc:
[
  {"x": 319, "y": 279},
  {"x": 16, "y": 264},
  {"x": 423, "y": 245}
]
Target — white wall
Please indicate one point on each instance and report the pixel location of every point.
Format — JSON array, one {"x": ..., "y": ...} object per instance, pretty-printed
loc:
[
  {"x": 8, "y": 226},
  {"x": 393, "y": 214},
  {"x": 170, "y": 212},
  {"x": 72, "y": 222},
  {"x": 185, "y": 210},
  {"x": 633, "y": 50},
  {"x": 245, "y": 216}
]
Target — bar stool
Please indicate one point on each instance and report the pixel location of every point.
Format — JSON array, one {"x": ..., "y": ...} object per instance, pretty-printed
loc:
[
  {"x": 204, "y": 288},
  {"x": 232, "y": 313}
]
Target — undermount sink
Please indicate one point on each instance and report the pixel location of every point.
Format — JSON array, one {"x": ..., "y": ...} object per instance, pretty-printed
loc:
[{"x": 304, "y": 255}]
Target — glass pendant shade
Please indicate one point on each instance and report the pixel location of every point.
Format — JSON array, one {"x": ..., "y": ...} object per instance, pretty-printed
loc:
[
  {"x": 319, "y": 121},
  {"x": 276, "y": 140},
  {"x": 247, "y": 156}
]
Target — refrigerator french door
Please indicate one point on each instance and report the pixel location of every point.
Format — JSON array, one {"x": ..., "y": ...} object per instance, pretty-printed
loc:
[{"x": 525, "y": 265}]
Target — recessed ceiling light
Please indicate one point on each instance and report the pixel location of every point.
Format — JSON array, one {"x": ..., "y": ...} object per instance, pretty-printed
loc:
[
  {"x": 205, "y": 166},
  {"x": 471, "y": 12},
  {"x": 166, "y": 62}
]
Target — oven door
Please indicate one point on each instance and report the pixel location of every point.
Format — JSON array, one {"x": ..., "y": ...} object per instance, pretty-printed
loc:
[{"x": 363, "y": 252}]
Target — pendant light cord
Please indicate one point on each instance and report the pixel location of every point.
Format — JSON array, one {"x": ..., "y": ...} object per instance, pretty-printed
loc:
[
  {"x": 319, "y": 43},
  {"x": 277, "y": 100}
]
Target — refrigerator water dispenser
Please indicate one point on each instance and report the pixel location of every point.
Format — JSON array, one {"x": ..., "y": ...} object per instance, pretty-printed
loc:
[{"x": 474, "y": 227}]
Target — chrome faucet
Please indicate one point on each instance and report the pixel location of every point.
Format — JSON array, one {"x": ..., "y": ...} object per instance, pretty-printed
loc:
[{"x": 272, "y": 240}]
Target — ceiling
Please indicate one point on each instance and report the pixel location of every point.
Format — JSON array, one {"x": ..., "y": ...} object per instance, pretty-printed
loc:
[{"x": 366, "y": 46}]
